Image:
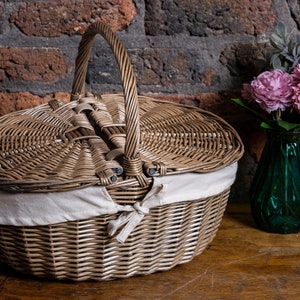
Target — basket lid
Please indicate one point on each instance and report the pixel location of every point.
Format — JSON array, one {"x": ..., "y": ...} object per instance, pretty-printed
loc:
[{"x": 109, "y": 139}]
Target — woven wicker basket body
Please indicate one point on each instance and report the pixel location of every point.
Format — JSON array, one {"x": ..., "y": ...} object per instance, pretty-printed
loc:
[
  {"x": 81, "y": 250},
  {"x": 121, "y": 142}
]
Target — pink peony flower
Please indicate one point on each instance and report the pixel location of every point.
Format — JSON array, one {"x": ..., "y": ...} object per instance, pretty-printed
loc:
[
  {"x": 296, "y": 74},
  {"x": 296, "y": 96},
  {"x": 272, "y": 90}
]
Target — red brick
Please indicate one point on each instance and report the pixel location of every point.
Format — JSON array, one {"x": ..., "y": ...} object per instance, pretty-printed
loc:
[
  {"x": 11, "y": 102},
  {"x": 211, "y": 17},
  {"x": 58, "y": 17},
  {"x": 210, "y": 74},
  {"x": 32, "y": 64},
  {"x": 165, "y": 67}
]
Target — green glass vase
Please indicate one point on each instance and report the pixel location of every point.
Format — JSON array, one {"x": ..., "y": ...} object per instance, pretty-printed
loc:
[{"x": 275, "y": 190}]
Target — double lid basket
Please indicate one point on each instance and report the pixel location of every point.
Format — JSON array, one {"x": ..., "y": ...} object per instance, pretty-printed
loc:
[{"x": 129, "y": 147}]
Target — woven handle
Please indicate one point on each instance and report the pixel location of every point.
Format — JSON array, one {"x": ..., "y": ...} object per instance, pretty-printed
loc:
[{"x": 132, "y": 162}]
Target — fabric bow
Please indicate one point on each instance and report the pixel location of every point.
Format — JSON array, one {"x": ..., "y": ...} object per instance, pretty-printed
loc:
[{"x": 133, "y": 215}]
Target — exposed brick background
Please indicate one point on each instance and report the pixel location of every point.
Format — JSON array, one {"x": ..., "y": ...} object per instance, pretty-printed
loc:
[
  {"x": 214, "y": 17},
  {"x": 187, "y": 51},
  {"x": 22, "y": 100},
  {"x": 32, "y": 64},
  {"x": 57, "y": 17}
]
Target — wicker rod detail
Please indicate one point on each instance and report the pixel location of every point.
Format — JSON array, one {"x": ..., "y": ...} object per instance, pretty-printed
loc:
[{"x": 131, "y": 149}]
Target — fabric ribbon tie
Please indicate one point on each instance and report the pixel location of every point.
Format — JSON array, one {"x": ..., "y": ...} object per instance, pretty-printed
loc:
[{"x": 132, "y": 216}]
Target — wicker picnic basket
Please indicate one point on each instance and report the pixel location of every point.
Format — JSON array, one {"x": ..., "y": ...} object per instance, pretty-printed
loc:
[{"x": 118, "y": 146}]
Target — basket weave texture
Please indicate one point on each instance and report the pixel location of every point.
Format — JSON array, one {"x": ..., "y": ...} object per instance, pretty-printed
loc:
[{"x": 120, "y": 141}]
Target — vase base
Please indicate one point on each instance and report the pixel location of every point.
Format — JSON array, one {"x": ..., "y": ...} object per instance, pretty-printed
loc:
[{"x": 280, "y": 224}]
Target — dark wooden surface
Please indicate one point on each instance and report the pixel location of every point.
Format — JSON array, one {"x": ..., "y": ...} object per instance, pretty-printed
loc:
[{"x": 241, "y": 263}]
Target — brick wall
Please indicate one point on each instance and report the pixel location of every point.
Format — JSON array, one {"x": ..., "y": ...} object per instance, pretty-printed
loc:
[{"x": 187, "y": 51}]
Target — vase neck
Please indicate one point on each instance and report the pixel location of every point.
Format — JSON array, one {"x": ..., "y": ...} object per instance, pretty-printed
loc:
[{"x": 281, "y": 135}]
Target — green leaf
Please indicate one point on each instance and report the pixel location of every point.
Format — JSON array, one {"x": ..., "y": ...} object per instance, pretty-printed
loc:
[
  {"x": 289, "y": 57},
  {"x": 287, "y": 125},
  {"x": 281, "y": 29},
  {"x": 277, "y": 42},
  {"x": 265, "y": 125},
  {"x": 292, "y": 47},
  {"x": 276, "y": 62},
  {"x": 298, "y": 50}
]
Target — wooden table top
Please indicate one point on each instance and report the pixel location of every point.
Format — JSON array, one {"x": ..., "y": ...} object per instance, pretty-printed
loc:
[{"x": 241, "y": 263}]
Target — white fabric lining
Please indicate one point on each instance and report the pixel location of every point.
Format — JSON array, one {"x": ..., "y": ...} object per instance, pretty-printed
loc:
[{"x": 30, "y": 209}]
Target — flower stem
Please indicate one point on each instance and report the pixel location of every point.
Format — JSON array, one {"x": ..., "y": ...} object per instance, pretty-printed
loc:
[{"x": 278, "y": 114}]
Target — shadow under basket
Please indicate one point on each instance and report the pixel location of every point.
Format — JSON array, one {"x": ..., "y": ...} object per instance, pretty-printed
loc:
[{"x": 111, "y": 186}]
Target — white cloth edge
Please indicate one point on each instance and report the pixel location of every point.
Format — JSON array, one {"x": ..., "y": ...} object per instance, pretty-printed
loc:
[{"x": 32, "y": 209}]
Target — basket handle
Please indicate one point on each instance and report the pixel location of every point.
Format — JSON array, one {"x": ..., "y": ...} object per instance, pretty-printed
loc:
[{"x": 132, "y": 163}]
